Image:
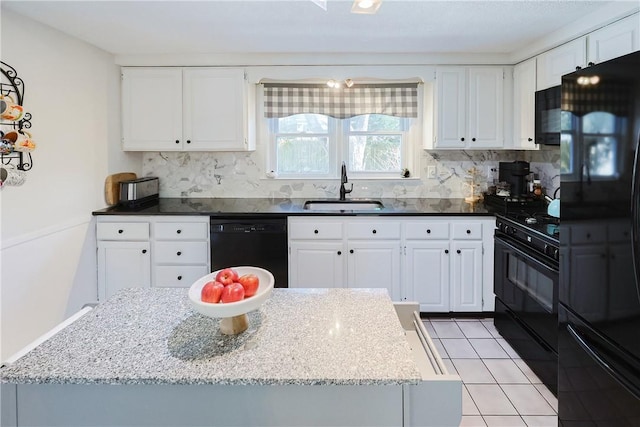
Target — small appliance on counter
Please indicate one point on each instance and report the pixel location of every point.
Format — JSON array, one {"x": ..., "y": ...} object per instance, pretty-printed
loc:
[
  {"x": 515, "y": 174},
  {"x": 139, "y": 191},
  {"x": 512, "y": 193}
]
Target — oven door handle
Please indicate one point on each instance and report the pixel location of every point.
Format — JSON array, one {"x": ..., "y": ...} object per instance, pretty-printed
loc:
[{"x": 521, "y": 252}]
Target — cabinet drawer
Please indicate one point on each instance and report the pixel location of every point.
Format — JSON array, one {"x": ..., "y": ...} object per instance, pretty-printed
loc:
[
  {"x": 427, "y": 230},
  {"x": 180, "y": 253},
  {"x": 468, "y": 231},
  {"x": 181, "y": 231},
  {"x": 316, "y": 230},
  {"x": 179, "y": 275},
  {"x": 122, "y": 231},
  {"x": 373, "y": 230}
]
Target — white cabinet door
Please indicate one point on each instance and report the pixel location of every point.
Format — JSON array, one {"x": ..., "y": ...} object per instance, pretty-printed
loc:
[
  {"x": 469, "y": 110},
  {"x": 426, "y": 278},
  {"x": 152, "y": 109},
  {"x": 485, "y": 107},
  {"x": 612, "y": 41},
  {"x": 451, "y": 107},
  {"x": 375, "y": 265},
  {"x": 214, "y": 109},
  {"x": 564, "y": 59},
  {"x": 314, "y": 264},
  {"x": 466, "y": 276},
  {"x": 122, "y": 265},
  {"x": 524, "y": 89}
]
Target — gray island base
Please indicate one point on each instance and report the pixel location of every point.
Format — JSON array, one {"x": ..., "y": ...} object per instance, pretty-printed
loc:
[{"x": 310, "y": 357}]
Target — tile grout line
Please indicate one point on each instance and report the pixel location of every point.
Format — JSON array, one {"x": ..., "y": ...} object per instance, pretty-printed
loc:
[{"x": 509, "y": 357}]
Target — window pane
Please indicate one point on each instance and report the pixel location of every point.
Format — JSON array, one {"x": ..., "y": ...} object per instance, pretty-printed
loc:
[
  {"x": 566, "y": 153},
  {"x": 375, "y": 153},
  {"x": 600, "y": 154},
  {"x": 302, "y": 155},
  {"x": 374, "y": 123},
  {"x": 598, "y": 122},
  {"x": 303, "y": 123},
  {"x": 566, "y": 121}
]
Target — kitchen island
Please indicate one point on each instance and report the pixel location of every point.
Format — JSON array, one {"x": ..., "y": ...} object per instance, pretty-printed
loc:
[{"x": 310, "y": 357}]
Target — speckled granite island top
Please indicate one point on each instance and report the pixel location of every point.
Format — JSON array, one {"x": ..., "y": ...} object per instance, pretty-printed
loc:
[{"x": 298, "y": 336}]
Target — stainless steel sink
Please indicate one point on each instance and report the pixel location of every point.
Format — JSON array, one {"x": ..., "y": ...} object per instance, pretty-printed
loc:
[{"x": 343, "y": 205}]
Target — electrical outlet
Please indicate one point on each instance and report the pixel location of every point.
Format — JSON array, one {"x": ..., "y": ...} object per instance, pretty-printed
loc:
[
  {"x": 492, "y": 173},
  {"x": 431, "y": 172}
]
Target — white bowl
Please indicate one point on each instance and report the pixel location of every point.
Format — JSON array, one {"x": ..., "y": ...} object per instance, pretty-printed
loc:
[{"x": 237, "y": 308}]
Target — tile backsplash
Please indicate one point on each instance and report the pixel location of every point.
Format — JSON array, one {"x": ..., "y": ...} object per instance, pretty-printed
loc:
[{"x": 239, "y": 174}]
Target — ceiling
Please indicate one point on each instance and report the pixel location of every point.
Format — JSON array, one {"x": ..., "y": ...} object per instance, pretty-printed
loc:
[{"x": 301, "y": 26}]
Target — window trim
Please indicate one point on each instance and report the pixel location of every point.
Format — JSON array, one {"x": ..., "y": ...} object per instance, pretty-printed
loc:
[{"x": 411, "y": 149}]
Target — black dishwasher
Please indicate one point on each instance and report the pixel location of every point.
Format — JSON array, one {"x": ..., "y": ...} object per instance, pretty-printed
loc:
[{"x": 255, "y": 241}]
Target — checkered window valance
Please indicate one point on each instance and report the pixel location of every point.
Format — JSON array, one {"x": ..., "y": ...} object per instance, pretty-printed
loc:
[
  {"x": 611, "y": 97},
  {"x": 282, "y": 100}
]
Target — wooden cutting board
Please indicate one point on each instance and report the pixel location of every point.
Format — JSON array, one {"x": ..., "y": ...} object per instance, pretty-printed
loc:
[{"x": 112, "y": 186}]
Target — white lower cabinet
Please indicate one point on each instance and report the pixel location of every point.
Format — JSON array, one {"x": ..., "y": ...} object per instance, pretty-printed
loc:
[
  {"x": 439, "y": 262},
  {"x": 122, "y": 265},
  {"x": 466, "y": 276},
  {"x": 336, "y": 252},
  {"x": 143, "y": 251},
  {"x": 374, "y": 265},
  {"x": 314, "y": 264},
  {"x": 427, "y": 268}
]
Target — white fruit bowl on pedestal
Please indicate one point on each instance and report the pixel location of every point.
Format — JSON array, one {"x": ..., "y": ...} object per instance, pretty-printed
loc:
[{"x": 233, "y": 313}]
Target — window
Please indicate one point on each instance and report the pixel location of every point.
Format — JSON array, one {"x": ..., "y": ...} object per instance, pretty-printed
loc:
[{"x": 312, "y": 130}]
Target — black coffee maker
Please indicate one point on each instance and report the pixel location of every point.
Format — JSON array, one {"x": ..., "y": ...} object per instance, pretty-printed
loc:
[{"x": 514, "y": 173}]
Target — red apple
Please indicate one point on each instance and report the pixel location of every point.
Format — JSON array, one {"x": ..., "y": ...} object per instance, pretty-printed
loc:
[
  {"x": 232, "y": 293},
  {"x": 211, "y": 292},
  {"x": 227, "y": 276},
  {"x": 250, "y": 283}
]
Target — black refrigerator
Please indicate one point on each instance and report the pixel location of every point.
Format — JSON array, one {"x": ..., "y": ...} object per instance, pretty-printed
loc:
[{"x": 599, "y": 293}]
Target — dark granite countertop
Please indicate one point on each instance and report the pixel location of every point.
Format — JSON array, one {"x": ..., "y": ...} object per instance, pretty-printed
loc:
[{"x": 291, "y": 207}]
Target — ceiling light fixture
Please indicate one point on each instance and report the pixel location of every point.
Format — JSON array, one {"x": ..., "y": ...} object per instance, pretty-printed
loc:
[
  {"x": 366, "y": 6},
  {"x": 333, "y": 84}
]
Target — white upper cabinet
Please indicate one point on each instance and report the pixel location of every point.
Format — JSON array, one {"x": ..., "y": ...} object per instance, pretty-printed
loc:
[
  {"x": 524, "y": 90},
  {"x": 564, "y": 59},
  {"x": 486, "y": 107},
  {"x": 152, "y": 109},
  {"x": 451, "y": 105},
  {"x": 469, "y": 108},
  {"x": 176, "y": 109},
  {"x": 618, "y": 39}
]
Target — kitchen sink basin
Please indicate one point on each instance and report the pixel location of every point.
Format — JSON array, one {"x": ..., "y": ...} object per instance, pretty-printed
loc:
[{"x": 343, "y": 205}]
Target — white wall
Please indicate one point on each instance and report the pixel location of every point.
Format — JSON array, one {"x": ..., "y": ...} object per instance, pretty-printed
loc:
[{"x": 47, "y": 231}]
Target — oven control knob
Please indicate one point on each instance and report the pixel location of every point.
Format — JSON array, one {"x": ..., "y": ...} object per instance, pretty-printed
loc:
[
  {"x": 556, "y": 254},
  {"x": 506, "y": 229}
]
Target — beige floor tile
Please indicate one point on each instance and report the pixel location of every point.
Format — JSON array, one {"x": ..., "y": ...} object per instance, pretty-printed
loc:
[
  {"x": 459, "y": 348},
  {"x": 540, "y": 421},
  {"x": 473, "y": 371},
  {"x": 504, "y": 421},
  {"x": 546, "y": 393},
  {"x": 505, "y": 371},
  {"x": 468, "y": 406},
  {"x": 491, "y": 400},
  {"x": 472, "y": 421}
]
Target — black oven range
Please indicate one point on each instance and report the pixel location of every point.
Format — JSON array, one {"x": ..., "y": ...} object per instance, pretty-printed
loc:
[{"x": 526, "y": 279}]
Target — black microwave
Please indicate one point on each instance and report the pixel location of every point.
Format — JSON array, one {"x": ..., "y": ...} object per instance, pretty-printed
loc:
[{"x": 548, "y": 115}]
